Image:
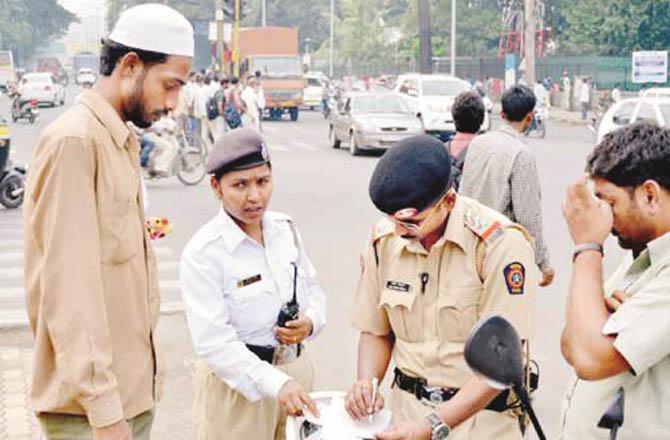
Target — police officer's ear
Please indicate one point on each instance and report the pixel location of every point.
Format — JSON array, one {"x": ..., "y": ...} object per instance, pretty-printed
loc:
[
  {"x": 449, "y": 200},
  {"x": 216, "y": 187}
]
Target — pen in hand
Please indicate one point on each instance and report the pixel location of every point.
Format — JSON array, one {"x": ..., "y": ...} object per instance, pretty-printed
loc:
[{"x": 375, "y": 390}]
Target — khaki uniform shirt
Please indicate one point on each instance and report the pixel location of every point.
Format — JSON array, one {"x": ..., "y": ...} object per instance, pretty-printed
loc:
[
  {"x": 90, "y": 272},
  {"x": 482, "y": 265},
  {"x": 642, "y": 329}
]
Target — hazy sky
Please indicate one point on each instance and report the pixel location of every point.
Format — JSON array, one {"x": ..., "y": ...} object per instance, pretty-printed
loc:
[{"x": 91, "y": 26}]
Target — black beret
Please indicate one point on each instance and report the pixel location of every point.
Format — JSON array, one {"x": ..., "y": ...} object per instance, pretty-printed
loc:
[
  {"x": 414, "y": 173},
  {"x": 238, "y": 149}
]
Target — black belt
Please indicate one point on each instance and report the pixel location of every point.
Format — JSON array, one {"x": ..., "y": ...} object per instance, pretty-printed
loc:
[
  {"x": 436, "y": 396},
  {"x": 267, "y": 352}
]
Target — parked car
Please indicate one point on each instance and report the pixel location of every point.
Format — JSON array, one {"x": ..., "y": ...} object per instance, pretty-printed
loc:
[
  {"x": 632, "y": 110},
  {"x": 85, "y": 76},
  {"x": 41, "y": 87},
  {"x": 372, "y": 121},
  {"x": 431, "y": 98},
  {"x": 314, "y": 89}
]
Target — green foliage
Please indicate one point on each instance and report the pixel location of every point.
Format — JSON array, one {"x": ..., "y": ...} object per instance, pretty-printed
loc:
[{"x": 29, "y": 24}]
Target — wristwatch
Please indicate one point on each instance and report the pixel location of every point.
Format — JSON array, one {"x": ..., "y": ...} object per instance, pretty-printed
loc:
[
  {"x": 439, "y": 429},
  {"x": 581, "y": 248}
]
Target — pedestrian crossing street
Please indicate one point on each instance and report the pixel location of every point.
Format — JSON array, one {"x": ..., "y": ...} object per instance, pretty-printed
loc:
[{"x": 12, "y": 304}]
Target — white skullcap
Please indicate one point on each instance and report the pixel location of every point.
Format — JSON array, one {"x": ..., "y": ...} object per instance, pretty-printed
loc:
[{"x": 156, "y": 28}]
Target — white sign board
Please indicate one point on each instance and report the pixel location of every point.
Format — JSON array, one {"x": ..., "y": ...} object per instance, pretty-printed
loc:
[
  {"x": 227, "y": 32},
  {"x": 650, "y": 67}
]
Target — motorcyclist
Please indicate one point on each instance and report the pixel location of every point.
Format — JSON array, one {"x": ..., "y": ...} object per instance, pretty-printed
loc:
[{"x": 166, "y": 147}]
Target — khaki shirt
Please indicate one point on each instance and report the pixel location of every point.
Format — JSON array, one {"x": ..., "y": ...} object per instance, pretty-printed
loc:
[
  {"x": 466, "y": 278},
  {"x": 642, "y": 329},
  {"x": 90, "y": 272}
]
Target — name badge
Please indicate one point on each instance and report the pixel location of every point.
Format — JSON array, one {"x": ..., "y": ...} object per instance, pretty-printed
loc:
[
  {"x": 397, "y": 286},
  {"x": 247, "y": 281}
]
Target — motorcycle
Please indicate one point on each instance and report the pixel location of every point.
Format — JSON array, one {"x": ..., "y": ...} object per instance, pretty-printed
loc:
[
  {"x": 12, "y": 176},
  {"x": 25, "y": 109},
  {"x": 494, "y": 352},
  {"x": 189, "y": 165},
  {"x": 538, "y": 125}
]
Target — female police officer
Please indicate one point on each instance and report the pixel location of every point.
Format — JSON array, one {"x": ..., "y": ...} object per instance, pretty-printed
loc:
[{"x": 239, "y": 273}]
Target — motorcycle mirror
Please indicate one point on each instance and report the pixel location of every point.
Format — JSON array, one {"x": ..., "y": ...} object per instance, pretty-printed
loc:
[
  {"x": 613, "y": 417},
  {"x": 493, "y": 351}
]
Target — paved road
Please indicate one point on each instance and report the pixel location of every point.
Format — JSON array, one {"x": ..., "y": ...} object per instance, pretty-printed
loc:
[{"x": 325, "y": 190}]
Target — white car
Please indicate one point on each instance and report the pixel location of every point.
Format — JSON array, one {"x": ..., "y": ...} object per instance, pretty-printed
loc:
[
  {"x": 85, "y": 76},
  {"x": 41, "y": 87},
  {"x": 431, "y": 97},
  {"x": 313, "y": 93},
  {"x": 633, "y": 110}
]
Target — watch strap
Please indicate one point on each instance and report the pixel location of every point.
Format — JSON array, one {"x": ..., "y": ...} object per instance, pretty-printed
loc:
[{"x": 584, "y": 247}]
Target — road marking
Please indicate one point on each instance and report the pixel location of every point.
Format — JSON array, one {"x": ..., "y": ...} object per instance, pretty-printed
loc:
[
  {"x": 304, "y": 146},
  {"x": 13, "y": 273},
  {"x": 16, "y": 318},
  {"x": 8, "y": 257},
  {"x": 11, "y": 292},
  {"x": 279, "y": 148}
]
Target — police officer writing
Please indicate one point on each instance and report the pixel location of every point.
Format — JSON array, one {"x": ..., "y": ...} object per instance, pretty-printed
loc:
[
  {"x": 432, "y": 268},
  {"x": 252, "y": 300}
]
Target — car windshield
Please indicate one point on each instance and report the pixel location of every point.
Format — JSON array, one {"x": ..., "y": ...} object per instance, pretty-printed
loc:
[
  {"x": 379, "y": 104},
  {"x": 277, "y": 67},
  {"x": 434, "y": 87}
]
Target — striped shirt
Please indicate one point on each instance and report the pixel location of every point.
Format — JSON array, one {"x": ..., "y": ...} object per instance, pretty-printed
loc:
[{"x": 500, "y": 172}]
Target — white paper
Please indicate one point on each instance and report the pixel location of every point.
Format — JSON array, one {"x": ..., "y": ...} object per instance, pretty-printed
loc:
[{"x": 338, "y": 425}]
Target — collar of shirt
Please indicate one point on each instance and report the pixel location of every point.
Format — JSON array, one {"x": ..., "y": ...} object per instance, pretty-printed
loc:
[
  {"x": 233, "y": 235},
  {"x": 454, "y": 232},
  {"x": 508, "y": 129},
  {"x": 106, "y": 114},
  {"x": 659, "y": 249}
]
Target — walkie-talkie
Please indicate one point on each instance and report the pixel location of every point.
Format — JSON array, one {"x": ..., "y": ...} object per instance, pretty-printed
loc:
[{"x": 291, "y": 310}]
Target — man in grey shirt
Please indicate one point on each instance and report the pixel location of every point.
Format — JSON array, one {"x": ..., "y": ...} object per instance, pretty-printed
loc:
[{"x": 500, "y": 172}]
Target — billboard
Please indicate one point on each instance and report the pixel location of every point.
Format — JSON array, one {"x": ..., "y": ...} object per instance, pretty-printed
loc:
[{"x": 650, "y": 67}]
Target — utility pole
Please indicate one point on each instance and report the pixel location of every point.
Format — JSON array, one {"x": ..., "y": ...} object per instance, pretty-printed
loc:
[
  {"x": 529, "y": 40},
  {"x": 453, "y": 37},
  {"x": 332, "y": 38},
  {"x": 425, "y": 51},
  {"x": 264, "y": 20},
  {"x": 218, "y": 14},
  {"x": 236, "y": 39}
]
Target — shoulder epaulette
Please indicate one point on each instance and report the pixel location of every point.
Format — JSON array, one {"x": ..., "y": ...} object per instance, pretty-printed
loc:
[
  {"x": 380, "y": 229},
  {"x": 488, "y": 230}
]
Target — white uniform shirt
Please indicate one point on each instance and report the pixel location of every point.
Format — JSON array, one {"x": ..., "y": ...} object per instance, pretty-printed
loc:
[{"x": 233, "y": 289}]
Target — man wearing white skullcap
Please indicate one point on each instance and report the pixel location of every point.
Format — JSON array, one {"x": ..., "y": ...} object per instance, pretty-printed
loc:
[{"x": 90, "y": 272}]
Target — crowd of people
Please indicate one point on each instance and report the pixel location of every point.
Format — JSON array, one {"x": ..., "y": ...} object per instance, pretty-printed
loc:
[{"x": 461, "y": 237}]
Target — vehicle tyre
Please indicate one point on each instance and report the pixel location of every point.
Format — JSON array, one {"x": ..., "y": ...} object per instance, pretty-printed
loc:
[
  {"x": 191, "y": 168},
  {"x": 332, "y": 137},
  {"x": 31, "y": 119},
  {"x": 14, "y": 119},
  {"x": 353, "y": 146},
  {"x": 542, "y": 129},
  {"x": 11, "y": 192},
  {"x": 294, "y": 112}
]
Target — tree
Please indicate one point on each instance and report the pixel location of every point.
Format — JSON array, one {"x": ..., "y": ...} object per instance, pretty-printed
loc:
[{"x": 29, "y": 24}]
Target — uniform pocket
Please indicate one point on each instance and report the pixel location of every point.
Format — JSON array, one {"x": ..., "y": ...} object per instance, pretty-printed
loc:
[
  {"x": 458, "y": 312},
  {"x": 120, "y": 232},
  {"x": 406, "y": 320}
]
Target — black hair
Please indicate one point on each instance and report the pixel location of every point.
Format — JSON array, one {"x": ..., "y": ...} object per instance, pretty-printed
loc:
[
  {"x": 257, "y": 74},
  {"x": 517, "y": 102},
  {"x": 632, "y": 155},
  {"x": 207, "y": 80},
  {"x": 111, "y": 53},
  {"x": 234, "y": 80},
  {"x": 468, "y": 112},
  {"x": 225, "y": 81}
]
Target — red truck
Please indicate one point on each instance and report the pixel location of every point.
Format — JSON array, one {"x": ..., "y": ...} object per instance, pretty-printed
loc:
[{"x": 273, "y": 51}]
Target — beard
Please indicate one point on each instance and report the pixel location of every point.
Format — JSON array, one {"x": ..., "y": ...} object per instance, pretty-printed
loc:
[{"x": 136, "y": 112}]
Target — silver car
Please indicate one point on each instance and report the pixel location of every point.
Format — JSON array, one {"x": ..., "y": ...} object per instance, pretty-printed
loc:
[{"x": 372, "y": 121}]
